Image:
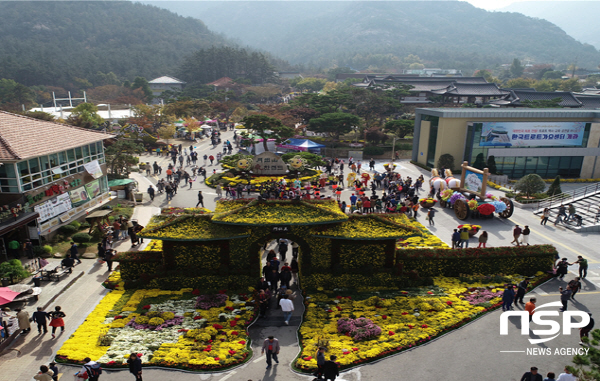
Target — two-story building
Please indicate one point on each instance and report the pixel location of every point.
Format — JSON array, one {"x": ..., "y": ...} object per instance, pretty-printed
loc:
[{"x": 51, "y": 174}]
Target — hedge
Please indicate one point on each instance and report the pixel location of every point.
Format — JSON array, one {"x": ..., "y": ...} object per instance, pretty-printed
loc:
[{"x": 498, "y": 260}]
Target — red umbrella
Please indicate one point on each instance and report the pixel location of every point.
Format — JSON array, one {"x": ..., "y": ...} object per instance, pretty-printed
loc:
[{"x": 7, "y": 295}]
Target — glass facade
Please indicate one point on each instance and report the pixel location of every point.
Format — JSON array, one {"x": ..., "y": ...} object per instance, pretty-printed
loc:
[
  {"x": 518, "y": 166},
  {"x": 36, "y": 173}
]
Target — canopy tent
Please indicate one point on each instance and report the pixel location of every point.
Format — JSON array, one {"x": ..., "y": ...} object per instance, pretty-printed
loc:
[{"x": 301, "y": 145}]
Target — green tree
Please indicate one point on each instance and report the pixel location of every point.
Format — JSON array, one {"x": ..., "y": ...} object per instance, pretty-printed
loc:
[
  {"x": 545, "y": 103},
  {"x": 312, "y": 160},
  {"x": 520, "y": 83},
  {"x": 308, "y": 84},
  {"x": 530, "y": 184},
  {"x": 267, "y": 128},
  {"x": 548, "y": 85},
  {"x": 166, "y": 132},
  {"x": 479, "y": 161},
  {"x": 572, "y": 85},
  {"x": 13, "y": 95},
  {"x": 334, "y": 124},
  {"x": 516, "y": 69},
  {"x": 120, "y": 156},
  {"x": 142, "y": 83},
  {"x": 331, "y": 73},
  {"x": 491, "y": 165},
  {"x": 588, "y": 365},
  {"x": 446, "y": 161},
  {"x": 554, "y": 188},
  {"x": 552, "y": 74},
  {"x": 85, "y": 115},
  {"x": 400, "y": 127}
]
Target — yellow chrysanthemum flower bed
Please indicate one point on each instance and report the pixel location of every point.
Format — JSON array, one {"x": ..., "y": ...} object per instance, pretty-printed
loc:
[
  {"x": 425, "y": 240},
  {"x": 401, "y": 319},
  {"x": 264, "y": 213},
  {"x": 192, "y": 228},
  {"x": 165, "y": 328},
  {"x": 369, "y": 227}
]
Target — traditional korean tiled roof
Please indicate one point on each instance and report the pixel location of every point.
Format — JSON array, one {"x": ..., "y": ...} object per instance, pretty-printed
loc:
[
  {"x": 22, "y": 137},
  {"x": 223, "y": 81},
  {"x": 472, "y": 89},
  {"x": 516, "y": 97},
  {"x": 368, "y": 227},
  {"x": 589, "y": 102}
]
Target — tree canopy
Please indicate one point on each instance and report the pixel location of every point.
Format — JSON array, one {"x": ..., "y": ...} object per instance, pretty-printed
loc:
[
  {"x": 530, "y": 184},
  {"x": 267, "y": 128},
  {"x": 334, "y": 123}
]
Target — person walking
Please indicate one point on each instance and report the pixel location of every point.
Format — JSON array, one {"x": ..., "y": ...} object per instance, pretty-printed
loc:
[
  {"x": 585, "y": 331},
  {"x": 320, "y": 356},
  {"x": 525, "y": 235},
  {"x": 135, "y": 366},
  {"x": 415, "y": 209},
  {"x": 57, "y": 320},
  {"x": 108, "y": 257},
  {"x": 200, "y": 199},
  {"x": 74, "y": 252},
  {"x": 583, "y": 266},
  {"x": 565, "y": 295},
  {"x": 295, "y": 269},
  {"x": 287, "y": 306},
  {"x": 271, "y": 347},
  {"x": 45, "y": 374},
  {"x": 545, "y": 216},
  {"x": 575, "y": 286},
  {"x": 483, "y": 238},
  {"x": 151, "y": 192},
  {"x": 455, "y": 239},
  {"x": 562, "y": 268},
  {"x": 516, "y": 235},
  {"x": 330, "y": 369},
  {"x": 532, "y": 375},
  {"x": 52, "y": 366},
  {"x": 92, "y": 368},
  {"x": 40, "y": 317},
  {"x": 507, "y": 298},
  {"x": 572, "y": 212},
  {"x": 23, "y": 318},
  {"x": 530, "y": 307},
  {"x": 283, "y": 248},
  {"x": 521, "y": 290},
  {"x": 28, "y": 249},
  {"x": 566, "y": 376},
  {"x": 464, "y": 238},
  {"x": 430, "y": 215}
]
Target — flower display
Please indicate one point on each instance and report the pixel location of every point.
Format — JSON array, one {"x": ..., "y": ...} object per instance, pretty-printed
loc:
[
  {"x": 486, "y": 209},
  {"x": 499, "y": 206},
  {"x": 387, "y": 321},
  {"x": 427, "y": 202},
  {"x": 425, "y": 240},
  {"x": 456, "y": 196},
  {"x": 470, "y": 227},
  {"x": 369, "y": 227},
  {"x": 119, "y": 326},
  {"x": 472, "y": 204},
  {"x": 446, "y": 194}
]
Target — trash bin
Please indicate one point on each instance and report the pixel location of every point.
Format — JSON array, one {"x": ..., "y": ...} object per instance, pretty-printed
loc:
[
  {"x": 37, "y": 282},
  {"x": 139, "y": 196}
]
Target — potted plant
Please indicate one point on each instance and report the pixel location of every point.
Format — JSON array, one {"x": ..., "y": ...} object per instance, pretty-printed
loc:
[
  {"x": 12, "y": 271},
  {"x": 473, "y": 229},
  {"x": 427, "y": 202}
]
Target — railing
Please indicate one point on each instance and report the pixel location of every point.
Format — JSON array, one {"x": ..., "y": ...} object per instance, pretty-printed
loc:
[{"x": 566, "y": 197}]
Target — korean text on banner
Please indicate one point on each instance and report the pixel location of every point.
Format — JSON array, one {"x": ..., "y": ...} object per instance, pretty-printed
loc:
[{"x": 93, "y": 168}]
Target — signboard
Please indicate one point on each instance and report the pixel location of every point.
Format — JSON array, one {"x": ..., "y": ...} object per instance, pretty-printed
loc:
[
  {"x": 531, "y": 134},
  {"x": 79, "y": 196},
  {"x": 93, "y": 168},
  {"x": 268, "y": 163},
  {"x": 54, "y": 207},
  {"x": 93, "y": 188},
  {"x": 473, "y": 181},
  {"x": 281, "y": 229}
]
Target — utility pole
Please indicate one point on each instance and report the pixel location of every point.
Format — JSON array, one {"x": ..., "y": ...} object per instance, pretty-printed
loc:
[{"x": 393, "y": 149}]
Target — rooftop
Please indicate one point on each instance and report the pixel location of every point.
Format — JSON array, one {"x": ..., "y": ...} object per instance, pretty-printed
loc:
[
  {"x": 168, "y": 80},
  {"x": 516, "y": 97},
  {"x": 223, "y": 81},
  {"x": 452, "y": 112},
  {"x": 473, "y": 89},
  {"x": 22, "y": 137}
]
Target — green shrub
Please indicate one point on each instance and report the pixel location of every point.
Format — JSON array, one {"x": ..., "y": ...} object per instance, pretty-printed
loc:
[
  {"x": 48, "y": 249},
  {"x": 77, "y": 224},
  {"x": 85, "y": 225},
  {"x": 404, "y": 147},
  {"x": 373, "y": 151},
  {"x": 81, "y": 238},
  {"x": 67, "y": 230},
  {"x": 13, "y": 269},
  {"x": 38, "y": 251}
]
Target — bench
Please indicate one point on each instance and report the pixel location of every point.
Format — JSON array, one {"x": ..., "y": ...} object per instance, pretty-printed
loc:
[{"x": 59, "y": 271}]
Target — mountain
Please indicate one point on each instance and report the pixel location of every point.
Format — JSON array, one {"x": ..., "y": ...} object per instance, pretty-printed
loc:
[
  {"x": 443, "y": 34},
  {"x": 578, "y": 18},
  {"x": 56, "y": 43}
]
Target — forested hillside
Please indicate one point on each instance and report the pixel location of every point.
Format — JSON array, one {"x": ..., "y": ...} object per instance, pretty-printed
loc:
[
  {"x": 446, "y": 34},
  {"x": 58, "y": 43}
]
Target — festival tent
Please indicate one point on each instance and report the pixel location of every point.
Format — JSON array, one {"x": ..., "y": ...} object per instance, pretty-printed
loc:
[{"x": 301, "y": 145}]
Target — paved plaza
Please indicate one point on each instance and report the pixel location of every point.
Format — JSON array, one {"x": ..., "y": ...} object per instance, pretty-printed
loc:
[{"x": 472, "y": 352}]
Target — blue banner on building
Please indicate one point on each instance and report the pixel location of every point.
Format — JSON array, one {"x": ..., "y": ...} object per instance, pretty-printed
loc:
[{"x": 531, "y": 134}]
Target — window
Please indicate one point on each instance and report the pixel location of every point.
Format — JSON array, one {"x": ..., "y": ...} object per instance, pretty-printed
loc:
[{"x": 37, "y": 172}]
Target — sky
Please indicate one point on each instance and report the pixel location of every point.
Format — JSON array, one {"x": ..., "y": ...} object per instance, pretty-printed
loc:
[{"x": 497, "y": 4}]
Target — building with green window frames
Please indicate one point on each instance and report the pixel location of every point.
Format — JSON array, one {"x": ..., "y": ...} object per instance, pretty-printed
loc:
[
  {"x": 548, "y": 142},
  {"x": 50, "y": 175}
]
